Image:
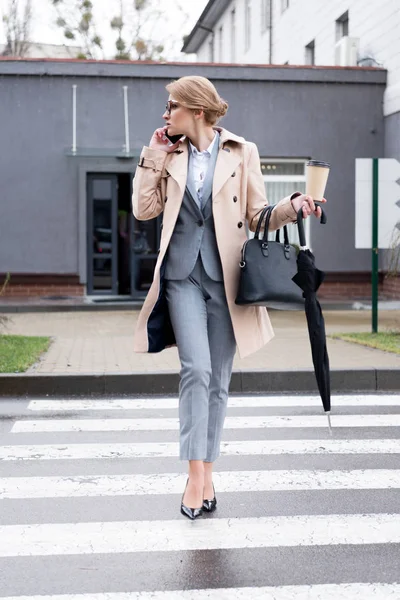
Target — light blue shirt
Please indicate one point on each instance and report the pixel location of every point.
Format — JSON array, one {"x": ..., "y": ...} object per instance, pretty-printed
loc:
[{"x": 199, "y": 162}]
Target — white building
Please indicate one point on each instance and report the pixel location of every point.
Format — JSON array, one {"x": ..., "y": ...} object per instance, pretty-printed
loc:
[
  {"x": 36, "y": 50},
  {"x": 303, "y": 32}
]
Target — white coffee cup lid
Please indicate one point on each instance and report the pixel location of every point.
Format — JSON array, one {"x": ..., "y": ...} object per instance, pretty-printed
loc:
[{"x": 318, "y": 163}]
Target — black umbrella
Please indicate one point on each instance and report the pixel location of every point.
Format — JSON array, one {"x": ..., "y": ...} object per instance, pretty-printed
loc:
[{"x": 309, "y": 278}]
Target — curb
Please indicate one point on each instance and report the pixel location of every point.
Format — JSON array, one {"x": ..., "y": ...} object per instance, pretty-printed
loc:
[
  {"x": 136, "y": 305},
  {"x": 55, "y": 308},
  {"x": 153, "y": 383}
]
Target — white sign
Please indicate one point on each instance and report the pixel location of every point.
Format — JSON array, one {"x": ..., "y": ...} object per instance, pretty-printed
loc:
[{"x": 388, "y": 202}]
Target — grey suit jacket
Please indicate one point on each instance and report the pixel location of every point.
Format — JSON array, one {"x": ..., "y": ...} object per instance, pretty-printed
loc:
[{"x": 194, "y": 231}]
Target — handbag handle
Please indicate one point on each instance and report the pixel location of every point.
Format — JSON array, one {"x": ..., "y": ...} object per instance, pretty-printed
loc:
[
  {"x": 263, "y": 213},
  {"x": 285, "y": 235},
  {"x": 285, "y": 232},
  {"x": 300, "y": 226}
]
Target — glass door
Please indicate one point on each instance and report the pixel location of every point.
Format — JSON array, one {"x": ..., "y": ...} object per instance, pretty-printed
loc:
[
  {"x": 145, "y": 243},
  {"x": 102, "y": 234}
]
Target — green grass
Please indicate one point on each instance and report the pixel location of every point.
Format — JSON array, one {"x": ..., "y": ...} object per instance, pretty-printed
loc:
[
  {"x": 19, "y": 352},
  {"x": 387, "y": 340}
]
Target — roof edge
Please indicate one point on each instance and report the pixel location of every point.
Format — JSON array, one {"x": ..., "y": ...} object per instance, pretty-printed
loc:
[{"x": 202, "y": 27}]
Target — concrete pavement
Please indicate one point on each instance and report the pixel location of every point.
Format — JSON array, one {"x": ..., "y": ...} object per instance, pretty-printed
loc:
[
  {"x": 101, "y": 342},
  {"x": 92, "y": 353}
]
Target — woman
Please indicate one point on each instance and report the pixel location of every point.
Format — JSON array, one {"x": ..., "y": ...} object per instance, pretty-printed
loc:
[{"x": 207, "y": 184}]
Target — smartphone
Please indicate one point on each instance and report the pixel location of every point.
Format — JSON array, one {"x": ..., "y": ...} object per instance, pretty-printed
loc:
[{"x": 173, "y": 138}]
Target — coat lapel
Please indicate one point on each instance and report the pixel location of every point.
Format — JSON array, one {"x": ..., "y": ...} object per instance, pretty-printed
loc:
[
  {"x": 177, "y": 165},
  {"x": 226, "y": 163},
  {"x": 191, "y": 188},
  {"x": 178, "y": 168},
  {"x": 228, "y": 159},
  {"x": 208, "y": 181}
]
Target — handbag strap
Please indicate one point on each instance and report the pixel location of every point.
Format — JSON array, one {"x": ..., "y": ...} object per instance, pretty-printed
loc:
[
  {"x": 260, "y": 220},
  {"x": 277, "y": 236},
  {"x": 267, "y": 220},
  {"x": 285, "y": 235}
]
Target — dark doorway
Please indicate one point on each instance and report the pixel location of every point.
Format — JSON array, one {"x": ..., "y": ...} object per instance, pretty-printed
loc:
[
  {"x": 102, "y": 234},
  {"x": 145, "y": 244},
  {"x": 122, "y": 251}
]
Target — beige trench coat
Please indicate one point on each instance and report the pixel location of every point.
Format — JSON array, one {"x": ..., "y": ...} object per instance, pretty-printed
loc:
[{"x": 238, "y": 195}]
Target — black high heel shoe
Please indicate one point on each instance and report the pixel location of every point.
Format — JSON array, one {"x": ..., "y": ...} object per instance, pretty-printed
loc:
[
  {"x": 191, "y": 513},
  {"x": 210, "y": 505}
]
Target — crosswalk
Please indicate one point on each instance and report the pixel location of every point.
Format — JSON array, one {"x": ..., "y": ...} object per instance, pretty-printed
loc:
[{"x": 90, "y": 491}]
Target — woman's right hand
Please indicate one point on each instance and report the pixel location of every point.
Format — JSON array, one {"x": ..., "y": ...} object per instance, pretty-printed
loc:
[{"x": 160, "y": 142}]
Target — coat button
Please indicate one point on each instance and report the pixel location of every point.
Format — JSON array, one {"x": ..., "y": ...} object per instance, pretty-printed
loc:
[
  {"x": 235, "y": 198},
  {"x": 200, "y": 223},
  {"x": 166, "y": 198},
  {"x": 233, "y": 174},
  {"x": 240, "y": 224}
]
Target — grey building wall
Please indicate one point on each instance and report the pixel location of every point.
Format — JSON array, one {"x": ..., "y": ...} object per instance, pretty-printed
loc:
[
  {"x": 330, "y": 114},
  {"x": 392, "y": 136}
]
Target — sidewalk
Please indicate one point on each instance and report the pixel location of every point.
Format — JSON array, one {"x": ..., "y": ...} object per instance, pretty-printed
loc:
[{"x": 101, "y": 342}]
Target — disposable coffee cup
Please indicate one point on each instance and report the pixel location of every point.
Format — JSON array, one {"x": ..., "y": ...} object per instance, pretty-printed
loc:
[{"x": 317, "y": 172}]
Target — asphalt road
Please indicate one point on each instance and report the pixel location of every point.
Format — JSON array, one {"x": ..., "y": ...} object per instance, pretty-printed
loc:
[{"x": 90, "y": 493}]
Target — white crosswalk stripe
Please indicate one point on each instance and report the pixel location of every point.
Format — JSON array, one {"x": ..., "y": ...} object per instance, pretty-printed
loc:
[
  {"x": 344, "y": 591},
  {"x": 167, "y": 536},
  {"x": 91, "y": 503},
  {"x": 172, "y": 483},
  {"x": 170, "y": 449},
  {"x": 115, "y": 404},
  {"x": 166, "y": 424}
]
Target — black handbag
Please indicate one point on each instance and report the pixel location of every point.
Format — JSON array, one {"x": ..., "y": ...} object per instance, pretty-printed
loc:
[{"x": 267, "y": 268}]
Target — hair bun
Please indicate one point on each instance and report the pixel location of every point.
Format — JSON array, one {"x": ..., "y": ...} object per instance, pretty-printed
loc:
[{"x": 223, "y": 107}]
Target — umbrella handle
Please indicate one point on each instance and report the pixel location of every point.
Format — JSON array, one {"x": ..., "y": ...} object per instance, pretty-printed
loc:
[{"x": 300, "y": 226}]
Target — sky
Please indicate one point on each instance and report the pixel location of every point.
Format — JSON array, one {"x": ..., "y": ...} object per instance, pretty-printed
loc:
[{"x": 173, "y": 26}]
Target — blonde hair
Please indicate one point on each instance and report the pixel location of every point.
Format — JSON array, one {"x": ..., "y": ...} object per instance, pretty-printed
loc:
[{"x": 196, "y": 92}]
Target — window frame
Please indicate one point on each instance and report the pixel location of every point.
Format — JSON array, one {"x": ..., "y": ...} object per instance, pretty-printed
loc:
[
  {"x": 342, "y": 26},
  {"x": 247, "y": 25},
  {"x": 211, "y": 48},
  {"x": 233, "y": 34},
  {"x": 265, "y": 15},
  {"x": 284, "y": 5},
  {"x": 220, "y": 43},
  {"x": 309, "y": 53},
  {"x": 288, "y": 179}
]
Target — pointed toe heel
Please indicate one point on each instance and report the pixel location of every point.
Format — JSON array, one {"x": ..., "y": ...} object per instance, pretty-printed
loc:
[
  {"x": 191, "y": 513},
  {"x": 210, "y": 505}
]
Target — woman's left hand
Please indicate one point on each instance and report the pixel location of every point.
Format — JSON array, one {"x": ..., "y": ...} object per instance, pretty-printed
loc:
[{"x": 307, "y": 203}]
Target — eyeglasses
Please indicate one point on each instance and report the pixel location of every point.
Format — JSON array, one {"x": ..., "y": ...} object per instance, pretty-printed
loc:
[{"x": 170, "y": 106}]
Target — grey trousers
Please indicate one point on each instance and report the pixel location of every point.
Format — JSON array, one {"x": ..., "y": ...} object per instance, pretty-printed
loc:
[{"x": 206, "y": 344}]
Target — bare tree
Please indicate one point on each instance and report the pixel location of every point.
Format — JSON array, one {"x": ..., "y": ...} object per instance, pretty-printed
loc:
[
  {"x": 77, "y": 22},
  {"x": 138, "y": 25},
  {"x": 17, "y": 20},
  {"x": 135, "y": 25}
]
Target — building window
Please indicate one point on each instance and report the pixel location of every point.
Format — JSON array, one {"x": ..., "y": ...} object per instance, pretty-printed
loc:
[
  {"x": 247, "y": 24},
  {"x": 284, "y": 5},
  {"x": 265, "y": 15},
  {"x": 283, "y": 177},
  {"x": 221, "y": 44},
  {"x": 211, "y": 48},
  {"x": 233, "y": 35},
  {"x": 342, "y": 26},
  {"x": 310, "y": 53}
]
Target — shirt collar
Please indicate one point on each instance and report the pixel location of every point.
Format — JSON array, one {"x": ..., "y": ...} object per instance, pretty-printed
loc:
[{"x": 209, "y": 150}]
